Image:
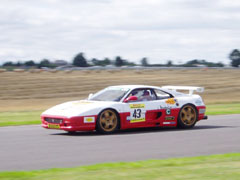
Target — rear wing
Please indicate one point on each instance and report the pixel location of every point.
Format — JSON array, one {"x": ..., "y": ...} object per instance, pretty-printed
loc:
[{"x": 191, "y": 89}]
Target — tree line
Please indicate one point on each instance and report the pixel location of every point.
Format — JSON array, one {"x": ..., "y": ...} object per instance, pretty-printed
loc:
[{"x": 80, "y": 61}]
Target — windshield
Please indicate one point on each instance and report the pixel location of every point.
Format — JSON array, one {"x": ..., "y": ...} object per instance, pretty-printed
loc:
[{"x": 110, "y": 94}]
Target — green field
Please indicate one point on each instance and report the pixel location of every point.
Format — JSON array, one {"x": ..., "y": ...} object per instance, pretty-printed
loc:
[
  {"x": 33, "y": 117},
  {"x": 219, "y": 109},
  {"x": 214, "y": 167},
  {"x": 19, "y": 118}
]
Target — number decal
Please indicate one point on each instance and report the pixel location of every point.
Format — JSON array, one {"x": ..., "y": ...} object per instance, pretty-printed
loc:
[{"x": 137, "y": 113}]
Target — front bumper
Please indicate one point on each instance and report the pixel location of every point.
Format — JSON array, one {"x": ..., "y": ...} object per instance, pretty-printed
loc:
[{"x": 67, "y": 124}]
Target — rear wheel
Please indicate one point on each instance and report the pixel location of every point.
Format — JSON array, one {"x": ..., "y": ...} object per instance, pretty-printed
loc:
[
  {"x": 187, "y": 117},
  {"x": 107, "y": 121}
]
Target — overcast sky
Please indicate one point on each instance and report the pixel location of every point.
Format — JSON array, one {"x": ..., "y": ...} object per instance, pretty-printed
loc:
[{"x": 178, "y": 30}]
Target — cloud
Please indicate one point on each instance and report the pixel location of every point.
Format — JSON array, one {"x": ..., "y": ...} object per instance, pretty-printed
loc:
[{"x": 157, "y": 29}]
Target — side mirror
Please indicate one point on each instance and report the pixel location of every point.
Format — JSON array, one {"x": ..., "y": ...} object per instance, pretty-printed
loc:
[
  {"x": 90, "y": 95},
  {"x": 131, "y": 98}
]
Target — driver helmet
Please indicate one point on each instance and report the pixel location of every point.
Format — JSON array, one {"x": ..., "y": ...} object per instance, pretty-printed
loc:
[{"x": 146, "y": 93}]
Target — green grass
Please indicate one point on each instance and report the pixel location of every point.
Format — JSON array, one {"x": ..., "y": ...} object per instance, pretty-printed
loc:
[
  {"x": 19, "y": 118},
  {"x": 218, "y": 109},
  {"x": 33, "y": 117},
  {"x": 214, "y": 167}
]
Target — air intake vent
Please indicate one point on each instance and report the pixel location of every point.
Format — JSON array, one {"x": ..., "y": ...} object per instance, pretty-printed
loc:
[{"x": 53, "y": 120}]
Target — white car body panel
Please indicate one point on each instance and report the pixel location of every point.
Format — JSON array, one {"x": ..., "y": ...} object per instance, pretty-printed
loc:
[{"x": 82, "y": 107}]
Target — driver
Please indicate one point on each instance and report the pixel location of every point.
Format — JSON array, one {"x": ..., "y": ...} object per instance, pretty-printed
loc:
[{"x": 146, "y": 96}]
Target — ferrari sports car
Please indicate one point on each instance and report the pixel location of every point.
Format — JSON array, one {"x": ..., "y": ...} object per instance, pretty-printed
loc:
[{"x": 129, "y": 106}]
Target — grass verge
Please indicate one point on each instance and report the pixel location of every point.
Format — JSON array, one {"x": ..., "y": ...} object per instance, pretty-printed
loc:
[
  {"x": 214, "y": 167},
  {"x": 19, "y": 118},
  {"x": 219, "y": 109}
]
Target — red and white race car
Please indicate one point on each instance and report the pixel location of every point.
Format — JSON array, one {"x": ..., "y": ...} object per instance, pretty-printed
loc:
[{"x": 128, "y": 106}]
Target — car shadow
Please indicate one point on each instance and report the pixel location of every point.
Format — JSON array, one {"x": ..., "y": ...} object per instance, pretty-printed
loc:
[{"x": 141, "y": 131}]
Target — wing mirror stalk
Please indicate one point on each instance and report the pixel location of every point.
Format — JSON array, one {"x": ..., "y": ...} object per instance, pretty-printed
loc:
[{"x": 90, "y": 95}]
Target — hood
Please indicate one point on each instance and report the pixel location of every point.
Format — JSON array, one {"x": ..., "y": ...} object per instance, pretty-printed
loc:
[{"x": 77, "y": 108}]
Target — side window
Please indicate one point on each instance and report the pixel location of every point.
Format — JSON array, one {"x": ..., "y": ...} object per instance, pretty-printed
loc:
[
  {"x": 161, "y": 94},
  {"x": 143, "y": 94}
]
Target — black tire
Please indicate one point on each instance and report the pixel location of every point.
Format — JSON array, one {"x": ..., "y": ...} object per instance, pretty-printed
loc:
[
  {"x": 107, "y": 121},
  {"x": 71, "y": 132},
  {"x": 188, "y": 116}
]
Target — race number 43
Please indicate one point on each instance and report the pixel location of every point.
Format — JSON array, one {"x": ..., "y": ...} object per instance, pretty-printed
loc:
[{"x": 137, "y": 113}]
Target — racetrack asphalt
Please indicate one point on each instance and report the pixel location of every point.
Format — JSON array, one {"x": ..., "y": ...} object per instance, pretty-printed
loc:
[{"x": 33, "y": 147}]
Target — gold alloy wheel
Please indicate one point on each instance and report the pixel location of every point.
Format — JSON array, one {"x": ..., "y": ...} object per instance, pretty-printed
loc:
[
  {"x": 108, "y": 121},
  {"x": 188, "y": 115}
]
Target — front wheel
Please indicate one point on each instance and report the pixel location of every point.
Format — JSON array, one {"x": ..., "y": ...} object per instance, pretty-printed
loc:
[
  {"x": 107, "y": 121},
  {"x": 187, "y": 117}
]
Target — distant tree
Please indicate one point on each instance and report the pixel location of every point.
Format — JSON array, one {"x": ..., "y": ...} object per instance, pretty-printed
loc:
[
  {"x": 107, "y": 61},
  {"x": 219, "y": 64},
  {"x": 192, "y": 62},
  {"x": 95, "y": 62},
  {"x": 196, "y": 63},
  {"x": 119, "y": 61},
  {"x": 44, "y": 63},
  {"x": 18, "y": 64},
  {"x": 169, "y": 63},
  {"x": 30, "y": 63},
  {"x": 235, "y": 58},
  {"x": 104, "y": 62},
  {"x": 80, "y": 61},
  {"x": 144, "y": 61},
  {"x": 9, "y": 63},
  {"x": 127, "y": 63}
]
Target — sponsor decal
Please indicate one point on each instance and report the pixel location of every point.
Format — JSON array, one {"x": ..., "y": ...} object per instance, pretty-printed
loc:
[
  {"x": 137, "y": 105},
  {"x": 137, "y": 120},
  {"x": 168, "y": 111},
  {"x": 202, "y": 111},
  {"x": 169, "y": 122},
  {"x": 169, "y": 118},
  {"x": 165, "y": 107},
  {"x": 89, "y": 119},
  {"x": 198, "y": 102},
  {"x": 170, "y": 101}
]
